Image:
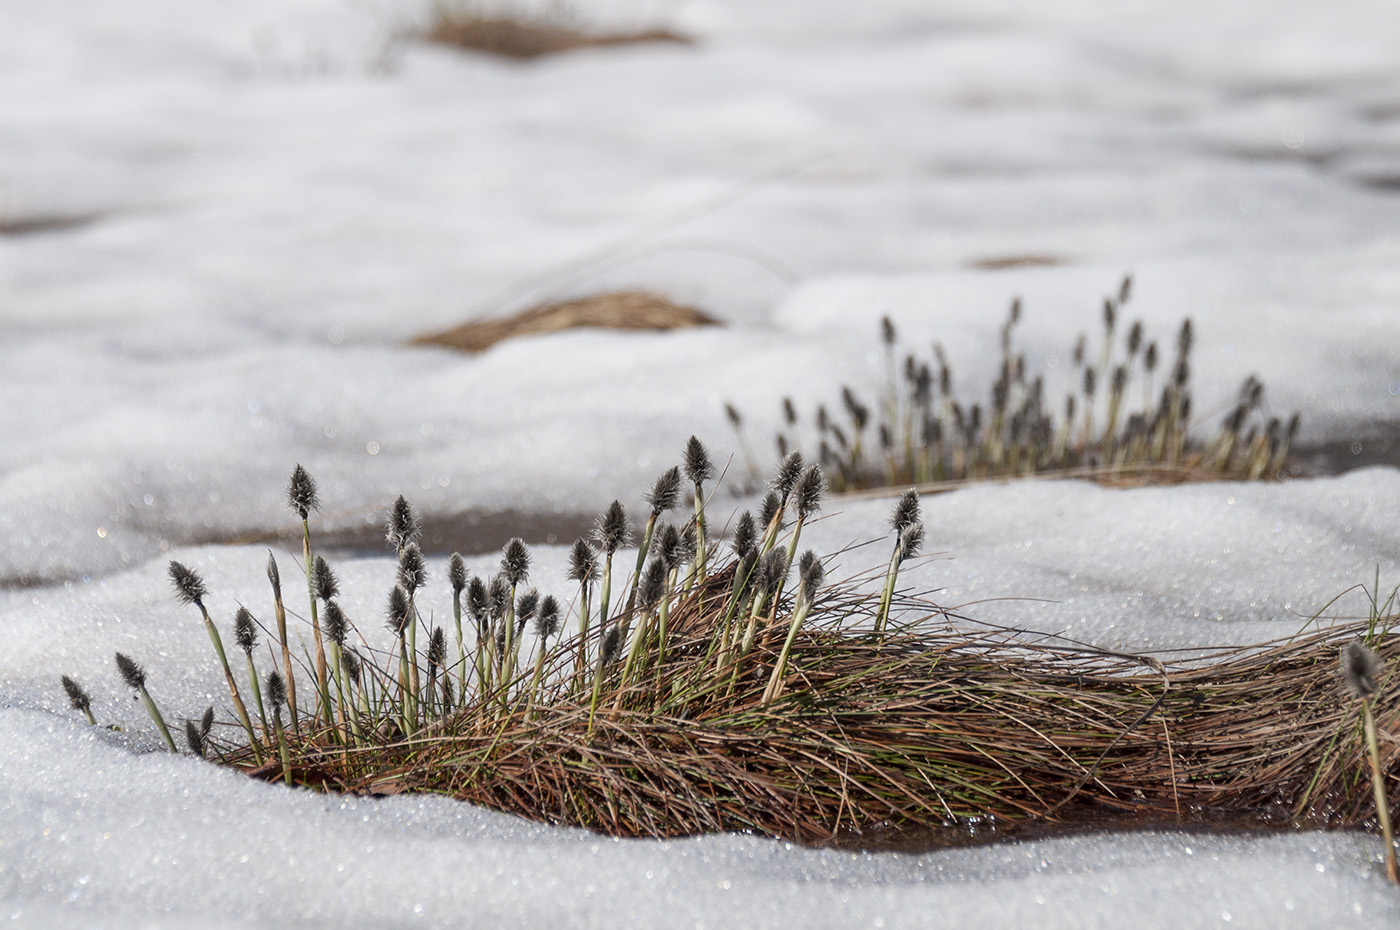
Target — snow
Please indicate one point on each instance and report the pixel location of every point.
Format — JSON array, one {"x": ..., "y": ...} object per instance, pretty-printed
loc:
[{"x": 253, "y": 207}]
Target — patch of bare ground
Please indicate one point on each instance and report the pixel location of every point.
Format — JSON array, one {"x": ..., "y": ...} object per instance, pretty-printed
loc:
[
  {"x": 527, "y": 38},
  {"x": 635, "y": 310}
]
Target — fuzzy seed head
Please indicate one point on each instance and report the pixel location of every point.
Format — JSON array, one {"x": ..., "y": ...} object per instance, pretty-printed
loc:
[
  {"x": 274, "y": 577},
  {"x": 1361, "y": 669},
  {"x": 499, "y": 594},
  {"x": 334, "y": 623},
  {"x": 189, "y": 587},
  {"x": 772, "y": 571},
  {"x": 401, "y": 528},
  {"x": 667, "y": 547},
  {"x": 437, "y": 650},
  {"x": 400, "y": 612},
  {"x": 323, "y": 579},
  {"x": 515, "y": 561},
  {"x": 613, "y": 532},
  {"x": 526, "y": 605},
  {"x": 612, "y": 645},
  {"x": 413, "y": 570},
  {"x": 698, "y": 467},
  {"x": 906, "y": 511},
  {"x": 76, "y": 695},
  {"x": 547, "y": 621},
  {"x": 769, "y": 509},
  {"x": 911, "y": 540},
  {"x": 457, "y": 574},
  {"x": 194, "y": 738},
  {"x": 350, "y": 661},
  {"x": 887, "y": 331},
  {"x": 789, "y": 473},
  {"x": 301, "y": 493},
  {"x": 478, "y": 600},
  {"x": 583, "y": 562},
  {"x": 746, "y": 571},
  {"x": 809, "y": 492},
  {"x": 665, "y": 492},
  {"x": 276, "y": 690},
  {"x": 245, "y": 630},
  {"x": 653, "y": 585},
  {"x": 810, "y": 573},
  {"x": 745, "y": 534},
  {"x": 132, "y": 674}
]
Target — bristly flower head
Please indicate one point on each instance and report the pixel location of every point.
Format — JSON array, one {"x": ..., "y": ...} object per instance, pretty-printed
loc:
[
  {"x": 194, "y": 738},
  {"x": 323, "y": 579},
  {"x": 334, "y": 623},
  {"x": 350, "y": 661},
  {"x": 400, "y": 613},
  {"x": 413, "y": 571},
  {"x": 583, "y": 562},
  {"x": 697, "y": 462},
  {"x": 274, "y": 576},
  {"x": 613, "y": 532},
  {"x": 745, "y": 534},
  {"x": 772, "y": 571},
  {"x": 911, "y": 540},
  {"x": 402, "y": 526},
  {"x": 437, "y": 649},
  {"x": 478, "y": 601},
  {"x": 276, "y": 690},
  {"x": 665, "y": 492},
  {"x": 189, "y": 587},
  {"x": 132, "y": 674},
  {"x": 810, "y": 573},
  {"x": 789, "y": 471},
  {"x": 653, "y": 585},
  {"x": 612, "y": 645},
  {"x": 76, "y": 695},
  {"x": 668, "y": 546},
  {"x": 301, "y": 493},
  {"x": 906, "y": 511},
  {"x": 809, "y": 492},
  {"x": 245, "y": 630},
  {"x": 457, "y": 574},
  {"x": 498, "y": 590},
  {"x": 515, "y": 561},
  {"x": 547, "y": 623},
  {"x": 526, "y": 605},
  {"x": 769, "y": 509},
  {"x": 1361, "y": 669}
]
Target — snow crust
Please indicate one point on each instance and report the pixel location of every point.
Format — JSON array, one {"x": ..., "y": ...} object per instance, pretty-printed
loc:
[{"x": 219, "y": 227}]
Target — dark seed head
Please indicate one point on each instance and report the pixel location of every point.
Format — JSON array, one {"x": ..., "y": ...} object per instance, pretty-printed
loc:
[
  {"x": 1361, "y": 669},
  {"x": 769, "y": 509},
  {"x": 745, "y": 534},
  {"x": 457, "y": 574},
  {"x": 745, "y": 572},
  {"x": 400, "y": 613},
  {"x": 772, "y": 571},
  {"x": 276, "y": 690},
  {"x": 437, "y": 650},
  {"x": 668, "y": 546},
  {"x": 911, "y": 540},
  {"x": 698, "y": 467},
  {"x": 515, "y": 561},
  {"x": 906, "y": 511},
  {"x": 194, "y": 738},
  {"x": 789, "y": 411},
  {"x": 887, "y": 332},
  {"x": 665, "y": 492},
  {"x": 189, "y": 587},
  {"x": 274, "y": 577},
  {"x": 653, "y": 585},
  {"x": 413, "y": 570},
  {"x": 206, "y": 723},
  {"x": 612, "y": 645},
  {"x": 547, "y": 621},
  {"x": 810, "y": 572},
  {"x": 583, "y": 562},
  {"x": 245, "y": 630},
  {"x": 76, "y": 695},
  {"x": 612, "y": 532},
  {"x": 732, "y": 413},
  {"x": 301, "y": 493},
  {"x": 498, "y": 591},
  {"x": 789, "y": 472},
  {"x": 1185, "y": 338},
  {"x": 334, "y": 623},
  {"x": 401, "y": 528},
  {"x": 350, "y": 661},
  {"x": 809, "y": 492},
  {"x": 323, "y": 578},
  {"x": 526, "y": 605},
  {"x": 132, "y": 674},
  {"x": 478, "y": 600}
]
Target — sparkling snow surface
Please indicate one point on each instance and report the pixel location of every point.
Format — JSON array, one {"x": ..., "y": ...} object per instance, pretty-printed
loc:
[{"x": 219, "y": 224}]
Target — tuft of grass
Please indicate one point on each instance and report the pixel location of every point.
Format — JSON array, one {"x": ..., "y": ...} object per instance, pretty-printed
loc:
[
  {"x": 475, "y": 27},
  {"x": 1126, "y": 419},
  {"x": 837, "y": 713}
]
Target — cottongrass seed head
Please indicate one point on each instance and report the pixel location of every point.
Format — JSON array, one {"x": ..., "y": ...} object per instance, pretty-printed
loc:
[
  {"x": 1361, "y": 669},
  {"x": 76, "y": 695},
  {"x": 245, "y": 630},
  {"x": 809, "y": 492},
  {"x": 301, "y": 493},
  {"x": 457, "y": 574},
  {"x": 132, "y": 674},
  {"x": 612, "y": 531},
  {"x": 402, "y": 526},
  {"x": 583, "y": 562},
  {"x": 698, "y": 467},
  {"x": 665, "y": 492},
  {"x": 189, "y": 587},
  {"x": 413, "y": 570},
  {"x": 399, "y": 612},
  {"x": 810, "y": 573},
  {"x": 334, "y": 623},
  {"x": 478, "y": 600},
  {"x": 437, "y": 649},
  {"x": 911, "y": 540},
  {"x": 906, "y": 511},
  {"x": 547, "y": 621},
  {"x": 515, "y": 561},
  {"x": 612, "y": 645},
  {"x": 276, "y": 690},
  {"x": 324, "y": 580},
  {"x": 789, "y": 471},
  {"x": 745, "y": 534}
]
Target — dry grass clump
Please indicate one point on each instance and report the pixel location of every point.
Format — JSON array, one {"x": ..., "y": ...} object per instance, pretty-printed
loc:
[
  {"x": 1127, "y": 418},
  {"x": 707, "y": 688},
  {"x": 472, "y": 26},
  {"x": 635, "y": 310}
]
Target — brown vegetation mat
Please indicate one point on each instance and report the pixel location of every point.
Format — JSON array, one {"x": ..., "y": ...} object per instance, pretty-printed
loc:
[
  {"x": 529, "y": 38},
  {"x": 635, "y": 310},
  {"x": 920, "y": 733}
]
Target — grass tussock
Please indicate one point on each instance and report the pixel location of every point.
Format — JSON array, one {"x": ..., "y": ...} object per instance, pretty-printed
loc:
[
  {"x": 634, "y": 310},
  {"x": 1128, "y": 417},
  {"x": 709, "y": 686},
  {"x": 476, "y": 28}
]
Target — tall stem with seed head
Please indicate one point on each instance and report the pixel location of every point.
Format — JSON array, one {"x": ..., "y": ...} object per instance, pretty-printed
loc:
[{"x": 1361, "y": 673}]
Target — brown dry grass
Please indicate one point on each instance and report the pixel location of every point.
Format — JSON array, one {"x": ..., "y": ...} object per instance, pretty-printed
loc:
[
  {"x": 523, "y": 38},
  {"x": 635, "y": 310}
]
